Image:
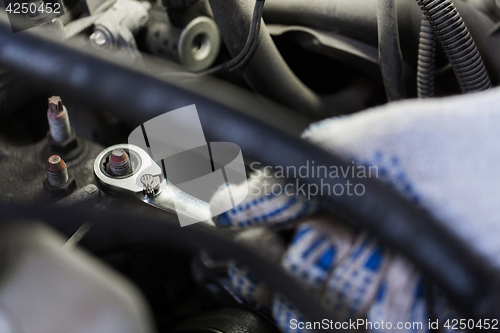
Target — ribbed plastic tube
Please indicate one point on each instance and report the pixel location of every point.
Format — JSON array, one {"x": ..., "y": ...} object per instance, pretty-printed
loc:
[{"x": 457, "y": 43}]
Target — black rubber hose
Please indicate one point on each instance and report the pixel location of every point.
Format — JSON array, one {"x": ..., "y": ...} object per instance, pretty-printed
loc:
[
  {"x": 390, "y": 57},
  {"x": 426, "y": 67},
  {"x": 353, "y": 18},
  {"x": 229, "y": 114},
  {"x": 266, "y": 72},
  {"x": 457, "y": 43},
  {"x": 357, "y": 19}
]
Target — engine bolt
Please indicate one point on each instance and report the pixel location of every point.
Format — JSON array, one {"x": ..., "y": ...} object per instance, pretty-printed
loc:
[
  {"x": 57, "y": 173},
  {"x": 119, "y": 162},
  {"x": 57, "y": 115}
]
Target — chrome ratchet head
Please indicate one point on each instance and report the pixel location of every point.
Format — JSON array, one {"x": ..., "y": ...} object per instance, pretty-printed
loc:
[
  {"x": 127, "y": 169},
  {"x": 139, "y": 165}
]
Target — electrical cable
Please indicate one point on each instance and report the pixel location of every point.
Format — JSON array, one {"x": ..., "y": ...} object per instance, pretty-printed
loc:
[
  {"x": 426, "y": 67},
  {"x": 271, "y": 78},
  {"x": 249, "y": 48},
  {"x": 457, "y": 43}
]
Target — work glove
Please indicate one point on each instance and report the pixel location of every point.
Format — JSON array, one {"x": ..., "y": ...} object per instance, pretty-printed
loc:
[{"x": 440, "y": 154}]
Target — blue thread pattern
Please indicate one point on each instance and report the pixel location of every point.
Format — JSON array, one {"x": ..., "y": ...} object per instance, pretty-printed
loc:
[
  {"x": 247, "y": 286},
  {"x": 283, "y": 312},
  {"x": 377, "y": 311},
  {"x": 354, "y": 281},
  {"x": 313, "y": 253},
  {"x": 418, "y": 312},
  {"x": 391, "y": 172},
  {"x": 271, "y": 209}
]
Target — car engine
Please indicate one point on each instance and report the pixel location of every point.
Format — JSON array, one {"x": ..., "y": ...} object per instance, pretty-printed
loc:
[{"x": 230, "y": 166}]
